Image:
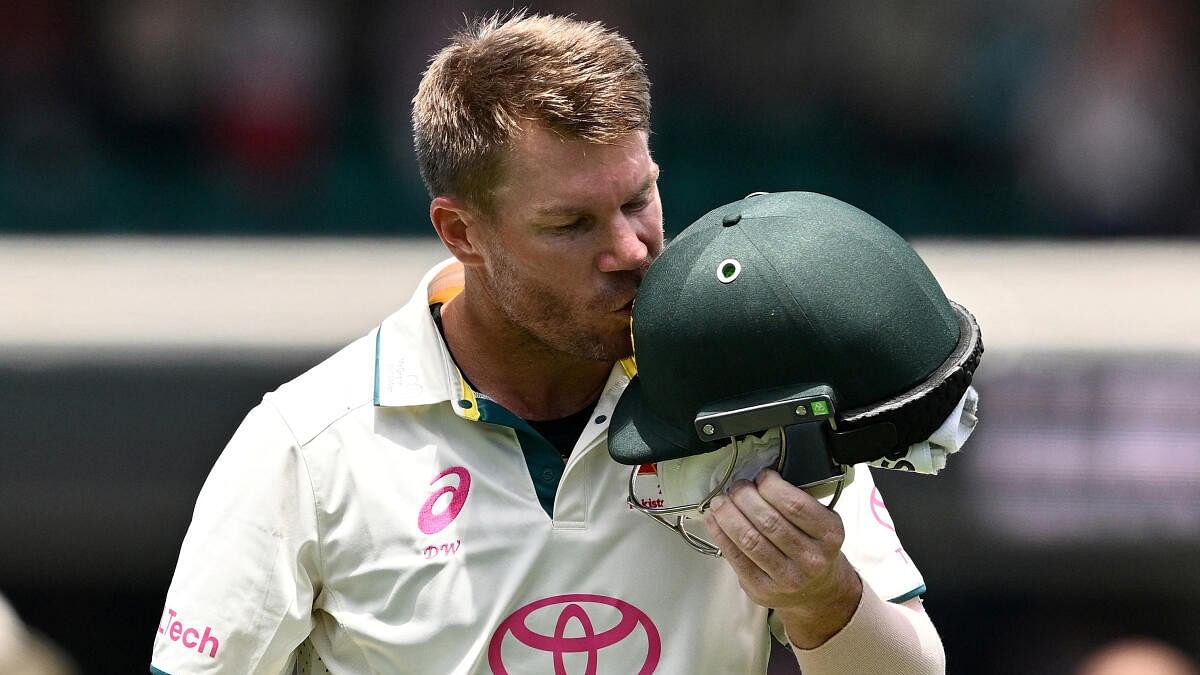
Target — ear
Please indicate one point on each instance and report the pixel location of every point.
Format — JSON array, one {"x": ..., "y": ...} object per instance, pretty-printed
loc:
[{"x": 458, "y": 227}]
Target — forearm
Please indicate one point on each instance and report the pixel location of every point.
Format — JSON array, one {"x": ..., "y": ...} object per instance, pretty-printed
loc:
[{"x": 882, "y": 638}]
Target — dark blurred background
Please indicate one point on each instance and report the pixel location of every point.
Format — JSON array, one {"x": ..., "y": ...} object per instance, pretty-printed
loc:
[
  {"x": 962, "y": 118},
  {"x": 154, "y": 154}
]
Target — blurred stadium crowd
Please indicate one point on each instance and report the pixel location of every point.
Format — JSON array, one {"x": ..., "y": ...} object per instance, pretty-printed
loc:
[{"x": 971, "y": 117}]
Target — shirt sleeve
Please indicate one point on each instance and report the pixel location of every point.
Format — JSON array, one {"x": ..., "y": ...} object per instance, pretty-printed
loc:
[
  {"x": 242, "y": 594},
  {"x": 872, "y": 545}
]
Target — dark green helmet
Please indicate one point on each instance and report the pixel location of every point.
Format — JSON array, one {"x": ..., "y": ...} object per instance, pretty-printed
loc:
[{"x": 785, "y": 309}]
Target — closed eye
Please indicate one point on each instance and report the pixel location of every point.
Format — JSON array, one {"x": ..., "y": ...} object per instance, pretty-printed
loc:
[
  {"x": 636, "y": 205},
  {"x": 574, "y": 226}
]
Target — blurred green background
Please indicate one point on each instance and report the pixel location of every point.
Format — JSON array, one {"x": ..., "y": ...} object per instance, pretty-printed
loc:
[{"x": 952, "y": 118}]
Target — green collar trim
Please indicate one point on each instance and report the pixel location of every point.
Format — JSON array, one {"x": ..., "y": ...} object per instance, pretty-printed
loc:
[
  {"x": 918, "y": 591},
  {"x": 543, "y": 461}
]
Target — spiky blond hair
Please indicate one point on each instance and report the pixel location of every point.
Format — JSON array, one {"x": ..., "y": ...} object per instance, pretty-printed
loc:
[{"x": 501, "y": 73}]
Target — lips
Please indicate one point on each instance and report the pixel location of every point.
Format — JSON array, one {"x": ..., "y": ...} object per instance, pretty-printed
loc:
[
  {"x": 621, "y": 292},
  {"x": 625, "y": 308}
]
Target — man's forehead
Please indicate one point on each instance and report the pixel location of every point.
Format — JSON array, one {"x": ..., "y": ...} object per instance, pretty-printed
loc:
[
  {"x": 571, "y": 201},
  {"x": 552, "y": 174},
  {"x": 541, "y": 148}
]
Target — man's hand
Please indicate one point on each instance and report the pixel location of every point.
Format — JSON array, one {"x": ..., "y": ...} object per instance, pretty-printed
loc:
[{"x": 786, "y": 549}]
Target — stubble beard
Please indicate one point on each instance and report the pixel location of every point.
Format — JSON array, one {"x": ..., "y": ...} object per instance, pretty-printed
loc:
[{"x": 557, "y": 324}]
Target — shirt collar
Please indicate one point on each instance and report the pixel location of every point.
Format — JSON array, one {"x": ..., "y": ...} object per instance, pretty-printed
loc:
[{"x": 412, "y": 364}]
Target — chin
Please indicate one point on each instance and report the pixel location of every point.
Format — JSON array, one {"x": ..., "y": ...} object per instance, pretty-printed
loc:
[
  {"x": 619, "y": 349},
  {"x": 606, "y": 341},
  {"x": 603, "y": 348}
]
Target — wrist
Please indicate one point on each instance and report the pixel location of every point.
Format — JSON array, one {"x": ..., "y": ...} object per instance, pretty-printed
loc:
[
  {"x": 822, "y": 615},
  {"x": 882, "y": 638}
]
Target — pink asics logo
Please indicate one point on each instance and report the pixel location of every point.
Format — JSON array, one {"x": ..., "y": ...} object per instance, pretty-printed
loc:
[
  {"x": 431, "y": 522},
  {"x": 574, "y": 608},
  {"x": 190, "y": 636}
]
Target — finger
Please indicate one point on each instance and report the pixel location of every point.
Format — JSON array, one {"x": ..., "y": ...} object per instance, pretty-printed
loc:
[
  {"x": 800, "y": 508},
  {"x": 791, "y": 542},
  {"x": 760, "y": 551},
  {"x": 749, "y": 574}
]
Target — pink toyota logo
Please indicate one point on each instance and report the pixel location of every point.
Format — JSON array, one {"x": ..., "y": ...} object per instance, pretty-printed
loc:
[
  {"x": 619, "y": 621},
  {"x": 880, "y": 510}
]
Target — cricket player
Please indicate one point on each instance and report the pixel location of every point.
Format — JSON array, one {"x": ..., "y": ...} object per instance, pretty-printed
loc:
[{"x": 439, "y": 496}]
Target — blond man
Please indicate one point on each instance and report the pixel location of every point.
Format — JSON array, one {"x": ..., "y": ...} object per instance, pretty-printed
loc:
[{"x": 437, "y": 497}]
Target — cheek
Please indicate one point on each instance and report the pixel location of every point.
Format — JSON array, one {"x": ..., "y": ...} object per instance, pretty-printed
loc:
[
  {"x": 564, "y": 268},
  {"x": 560, "y": 279}
]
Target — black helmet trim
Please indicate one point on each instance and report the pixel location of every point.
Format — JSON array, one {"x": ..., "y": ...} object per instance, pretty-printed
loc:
[{"x": 891, "y": 426}]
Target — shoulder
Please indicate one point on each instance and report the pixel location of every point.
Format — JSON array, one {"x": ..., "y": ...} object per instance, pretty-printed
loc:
[{"x": 328, "y": 391}]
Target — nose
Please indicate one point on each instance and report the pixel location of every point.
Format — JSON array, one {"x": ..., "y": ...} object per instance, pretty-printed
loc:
[{"x": 628, "y": 246}]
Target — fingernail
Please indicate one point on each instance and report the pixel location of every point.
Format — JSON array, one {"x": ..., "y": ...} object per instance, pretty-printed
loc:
[{"x": 716, "y": 502}]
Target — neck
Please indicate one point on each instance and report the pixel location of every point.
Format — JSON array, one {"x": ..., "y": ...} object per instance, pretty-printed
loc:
[{"x": 513, "y": 368}]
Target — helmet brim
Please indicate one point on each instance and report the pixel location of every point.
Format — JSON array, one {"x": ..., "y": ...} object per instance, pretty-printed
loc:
[{"x": 637, "y": 436}]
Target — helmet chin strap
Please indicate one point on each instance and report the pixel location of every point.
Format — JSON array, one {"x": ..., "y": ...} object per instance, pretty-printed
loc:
[{"x": 673, "y": 517}]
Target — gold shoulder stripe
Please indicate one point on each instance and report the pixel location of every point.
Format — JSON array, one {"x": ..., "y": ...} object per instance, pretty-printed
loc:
[{"x": 446, "y": 284}]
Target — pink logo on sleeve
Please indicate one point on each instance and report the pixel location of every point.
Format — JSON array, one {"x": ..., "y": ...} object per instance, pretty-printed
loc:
[
  {"x": 431, "y": 522},
  {"x": 190, "y": 636},
  {"x": 880, "y": 511},
  {"x": 884, "y": 518},
  {"x": 575, "y": 618}
]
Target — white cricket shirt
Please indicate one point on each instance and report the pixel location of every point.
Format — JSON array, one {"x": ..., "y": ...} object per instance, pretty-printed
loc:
[{"x": 375, "y": 515}]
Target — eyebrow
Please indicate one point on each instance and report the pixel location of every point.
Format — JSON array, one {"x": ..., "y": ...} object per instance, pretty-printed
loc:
[{"x": 553, "y": 211}]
